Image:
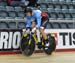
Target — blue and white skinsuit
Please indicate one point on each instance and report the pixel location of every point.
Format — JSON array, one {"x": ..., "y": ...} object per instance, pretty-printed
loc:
[{"x": 36, "y": 15}]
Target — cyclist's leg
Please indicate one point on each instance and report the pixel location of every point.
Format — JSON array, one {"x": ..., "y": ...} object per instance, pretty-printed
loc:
[
  {"x": 33, "y": 25},
  {"x": 39, "y": 39},
  {"x": 43, "y": 33},
  {"x": 44, "y": 36},
  {"x": 38, "y": 31},
  {"x": 44, "y": 23},
  {"x": 38, "y": 35}
]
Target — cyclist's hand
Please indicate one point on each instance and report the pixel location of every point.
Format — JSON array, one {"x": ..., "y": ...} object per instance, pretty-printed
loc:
[
  {"x": 33, "y": 25},
  {"x": 33, "y": 30},
  {"x": 28, "y": 31},
  {"x": 23, "y": 31}
]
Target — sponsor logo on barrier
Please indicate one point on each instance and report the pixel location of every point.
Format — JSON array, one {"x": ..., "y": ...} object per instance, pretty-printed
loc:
[
  {"x": 70, "y": 36},
  {"x": 65, "y": 38},
  {"x": 10, "y": 40}
]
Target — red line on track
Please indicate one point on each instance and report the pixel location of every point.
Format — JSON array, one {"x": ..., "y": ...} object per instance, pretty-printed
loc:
[{"x": 37, "y": 51}]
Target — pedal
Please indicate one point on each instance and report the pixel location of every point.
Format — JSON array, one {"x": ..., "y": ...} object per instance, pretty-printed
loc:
[
  {"x": 47, "y": 44},
  {"x": 39, "y": 45}
]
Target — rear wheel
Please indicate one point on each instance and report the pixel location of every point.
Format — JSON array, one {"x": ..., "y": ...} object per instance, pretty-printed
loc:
[
  {"x": 51, "y": 45},
  {"x": 27, "y": 46}
]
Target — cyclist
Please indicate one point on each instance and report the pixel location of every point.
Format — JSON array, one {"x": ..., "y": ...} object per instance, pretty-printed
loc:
[{"x": 34, "y": 19}]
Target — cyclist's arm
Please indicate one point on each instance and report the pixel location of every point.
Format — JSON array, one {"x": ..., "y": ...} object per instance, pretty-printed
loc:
[
  {"x": 38, "y": 19},
  {"x": 28, "y": 23}
]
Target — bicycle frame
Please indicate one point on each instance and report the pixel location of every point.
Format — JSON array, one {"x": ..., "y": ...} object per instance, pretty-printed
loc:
[
  {"x": 35, "y": 38},
  {"x": 30, "y": 40},
  {"x": 33, "y": 35}
]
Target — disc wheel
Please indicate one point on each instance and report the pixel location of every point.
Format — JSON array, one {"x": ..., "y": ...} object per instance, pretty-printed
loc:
[
  {"x": 26, "y": 48},
  {"x": 51, "y": 45}
]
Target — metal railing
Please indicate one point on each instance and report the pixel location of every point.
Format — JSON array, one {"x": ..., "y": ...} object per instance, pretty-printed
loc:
[
  {"x": 63, "y": 21},
  {"x": 51, "y": 21}
]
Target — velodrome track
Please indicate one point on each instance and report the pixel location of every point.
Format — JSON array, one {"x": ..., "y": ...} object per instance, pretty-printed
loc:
[{"x": 58, "y": 57}]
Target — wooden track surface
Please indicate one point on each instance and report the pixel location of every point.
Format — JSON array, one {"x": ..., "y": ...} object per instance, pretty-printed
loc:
[{"x": 58, "y": 57}]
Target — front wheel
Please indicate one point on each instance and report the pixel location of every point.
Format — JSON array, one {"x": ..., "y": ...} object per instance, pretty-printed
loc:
[
  {"x": 27, "y": 46},
  {"x": 51, "y": 45}
]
